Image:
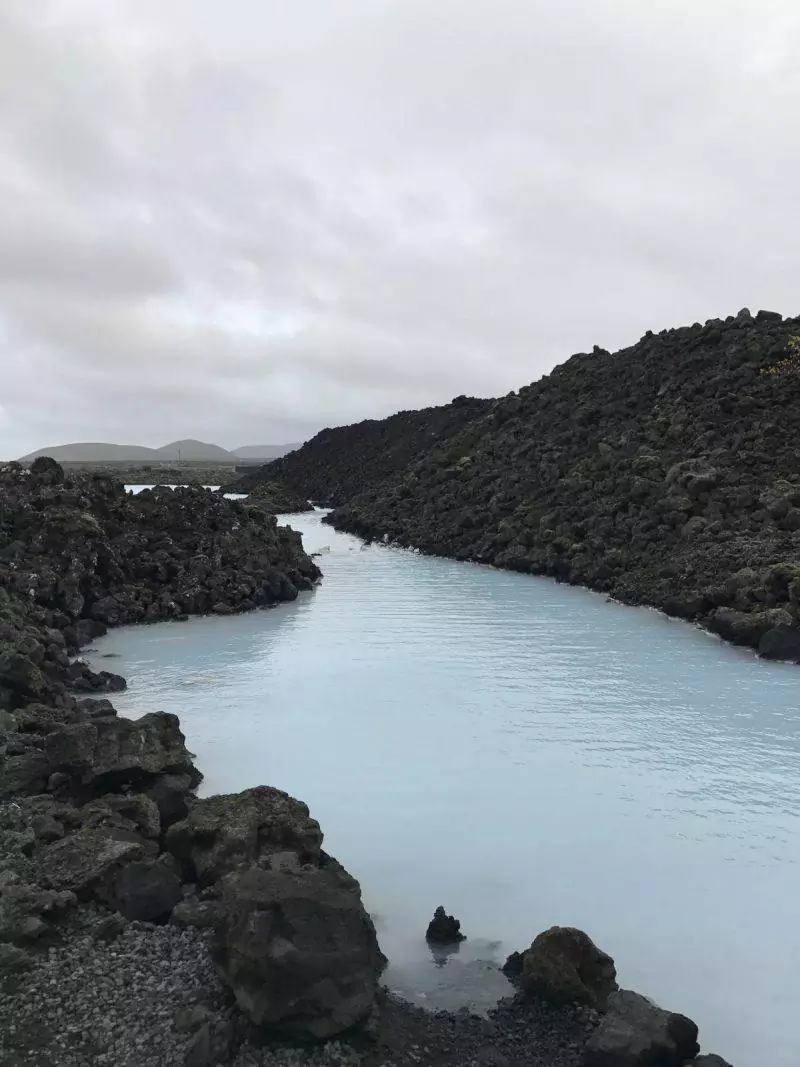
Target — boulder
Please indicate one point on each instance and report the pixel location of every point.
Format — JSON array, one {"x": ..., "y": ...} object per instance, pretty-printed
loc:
[
  {"x": 564, "y": 966},
  {"x": 781, "y": 642},
  {"x": 225, "y": 832},
  {"x": 170, "y": 793},
  {"x": 748, "y": 628},
  {"x": 88, "y": 862},
  {"x": 23, "y": 775},
  {"x": 444, "y": 929},
  {"x": 27, "y": 913},
  {"x": 147, "y": 890},
  {"x": 634, "y": 1032},
  {"x": 107, "y": 754},
  {"x": 298, "y": 950}
]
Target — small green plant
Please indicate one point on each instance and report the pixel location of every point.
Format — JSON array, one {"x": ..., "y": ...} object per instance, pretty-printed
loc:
[{"x": 790, "y": 364}]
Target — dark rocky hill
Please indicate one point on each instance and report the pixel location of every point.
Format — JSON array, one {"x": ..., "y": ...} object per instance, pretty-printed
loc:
[
  {"x": 665, "y": 474},
  {"x": 339, "y": 463}
]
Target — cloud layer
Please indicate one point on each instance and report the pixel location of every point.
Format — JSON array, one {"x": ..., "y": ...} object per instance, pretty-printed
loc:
[{"x": 244, "y": 221}]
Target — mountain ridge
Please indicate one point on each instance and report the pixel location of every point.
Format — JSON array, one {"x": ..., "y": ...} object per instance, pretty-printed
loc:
[{"x": 187, "y": 449}]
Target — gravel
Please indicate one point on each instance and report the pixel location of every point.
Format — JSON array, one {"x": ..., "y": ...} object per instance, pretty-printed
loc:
[{"x": 137, "y": 995}]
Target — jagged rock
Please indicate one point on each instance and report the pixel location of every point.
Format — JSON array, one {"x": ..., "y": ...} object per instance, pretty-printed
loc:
[
  {"x": 564, "y": 966},
  {"x": 24, "y": 775},
  {"x": 88, "y": 861},
  {"x": 444, "y": 929},
  {"x": 170, "y": 793},
  {"x": 222, "y": 833},
  {"x": 298, "y": 950},
  {"x": 47, "y": 828},
  {"x": 204, "y": 914},
  {"x": 139, "y": 809},
  {"x": 109, "y": 927},
  {"x": 634, "y": 1032},
  {"x": 106, "y": 754},
  {"x": 27, "y": 913},
  {"x": 147, "y": 890},
  {"x": 781, "y": 642}
]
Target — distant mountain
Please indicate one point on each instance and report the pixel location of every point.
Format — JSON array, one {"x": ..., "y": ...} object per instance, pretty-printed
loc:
[
  {"x": 92, "y": 452},
  {"x": 185, "y": 451},
  {"x": 193, "y": 450},
  {"x": 265, "y": 451}
]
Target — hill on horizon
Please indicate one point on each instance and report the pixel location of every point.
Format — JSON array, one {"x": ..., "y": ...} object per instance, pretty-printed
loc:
[
  {"x": 266, "y": 451},
  {"x": 188, "y": 450}
]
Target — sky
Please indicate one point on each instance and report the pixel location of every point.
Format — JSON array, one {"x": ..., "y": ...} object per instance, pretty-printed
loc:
[{"x": 242, "y": 221}]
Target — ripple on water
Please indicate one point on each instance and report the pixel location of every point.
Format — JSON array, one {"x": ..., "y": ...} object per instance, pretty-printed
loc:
[{"x": 524, "y": 753}]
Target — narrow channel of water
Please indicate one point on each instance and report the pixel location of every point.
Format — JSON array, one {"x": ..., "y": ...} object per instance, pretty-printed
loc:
[{"x": 524, "y": 753}]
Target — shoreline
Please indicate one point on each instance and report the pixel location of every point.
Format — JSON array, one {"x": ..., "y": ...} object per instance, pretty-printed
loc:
[
  {"x": 102, "y": 868},
  {"x": 673, "y": 613}
]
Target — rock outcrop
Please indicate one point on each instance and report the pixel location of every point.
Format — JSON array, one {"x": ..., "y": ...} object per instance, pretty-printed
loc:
[
  {"x": 444, "y": 929},
  {"x": 277, "y": 499}
]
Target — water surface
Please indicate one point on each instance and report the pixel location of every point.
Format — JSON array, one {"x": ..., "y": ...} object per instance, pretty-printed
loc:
[{"x": 524, "y": 753}]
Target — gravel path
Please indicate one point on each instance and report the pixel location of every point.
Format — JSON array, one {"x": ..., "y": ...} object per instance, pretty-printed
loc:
[{"x": 148, "y": 996}]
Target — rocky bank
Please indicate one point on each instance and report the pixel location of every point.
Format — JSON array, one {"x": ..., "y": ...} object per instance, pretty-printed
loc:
[
  {"x": 141, "y": 926},
  {"x": 665, "y": 474},
  {"x": 340, "y": 463}
]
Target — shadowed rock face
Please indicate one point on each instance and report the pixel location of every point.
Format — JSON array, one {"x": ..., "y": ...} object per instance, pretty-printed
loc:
[{"x": 665, "y": 474}]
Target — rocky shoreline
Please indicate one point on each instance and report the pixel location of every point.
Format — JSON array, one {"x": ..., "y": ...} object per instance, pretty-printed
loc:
[
  {"x": 666, "y": 474},
  {"x": 140, "y": 925}
]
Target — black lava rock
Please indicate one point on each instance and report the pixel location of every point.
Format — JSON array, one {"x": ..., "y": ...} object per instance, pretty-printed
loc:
[{"x": 443, "y": 929}]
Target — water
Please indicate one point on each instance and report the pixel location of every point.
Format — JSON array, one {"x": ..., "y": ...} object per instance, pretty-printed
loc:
[{"x": 524, "y": 753}]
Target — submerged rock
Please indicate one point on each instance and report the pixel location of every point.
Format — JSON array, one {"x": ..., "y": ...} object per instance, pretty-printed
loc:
[{"x": 444, "y": 929}]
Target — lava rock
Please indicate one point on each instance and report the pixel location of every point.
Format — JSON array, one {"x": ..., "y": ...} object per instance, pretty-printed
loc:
[
  {"x": 222, "y": 833},
  {"x": 298, "y": 950},
  {"x": 147, "y": 890},
  {"x": 634, "y": 1032},
  {"x": 564, "y": 966},
  {"x": 444, "y": 929}
]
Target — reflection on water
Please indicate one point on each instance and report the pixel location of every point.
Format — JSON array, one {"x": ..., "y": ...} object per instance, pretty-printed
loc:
[{"x": 525, "y": 754}]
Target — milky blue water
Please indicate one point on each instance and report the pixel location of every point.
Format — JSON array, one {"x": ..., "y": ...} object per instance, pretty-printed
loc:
[{"x": 526, "y": 754}]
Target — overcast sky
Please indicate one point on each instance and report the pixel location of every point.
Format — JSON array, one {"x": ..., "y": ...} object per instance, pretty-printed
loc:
[{"x": 242, "y": 220}]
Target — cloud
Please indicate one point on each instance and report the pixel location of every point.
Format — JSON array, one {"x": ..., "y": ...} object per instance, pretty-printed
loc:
[{"x": 250, "y": 220}]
